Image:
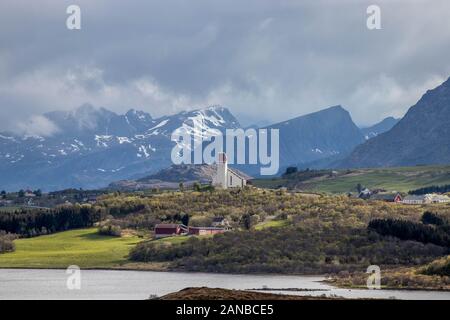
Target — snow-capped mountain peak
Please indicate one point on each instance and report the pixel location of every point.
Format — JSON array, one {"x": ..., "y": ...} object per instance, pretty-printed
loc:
[{"x": 90, "y": 138}]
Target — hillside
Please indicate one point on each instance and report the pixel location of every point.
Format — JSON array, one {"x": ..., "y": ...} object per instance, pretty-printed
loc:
[
  {"x": 400, "y": 179},
  {"x": 312, "y": 235},
  {"x": 273, "y": 231},
  {"x": 422, "y": 136}
]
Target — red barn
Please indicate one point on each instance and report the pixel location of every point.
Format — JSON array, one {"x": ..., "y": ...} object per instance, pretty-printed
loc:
[{"x": 169, "y": 229}]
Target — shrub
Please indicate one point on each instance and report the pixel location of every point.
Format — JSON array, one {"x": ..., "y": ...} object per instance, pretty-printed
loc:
[
  {"x": 110, "y": 230},
  {"x": 7, "y": 242},
  {"x": 439, "y": 267},
  {"x": 432, "y": 218}
]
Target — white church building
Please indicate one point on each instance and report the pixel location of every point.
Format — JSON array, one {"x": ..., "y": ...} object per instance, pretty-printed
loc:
[{"x": 226, "y": 177}]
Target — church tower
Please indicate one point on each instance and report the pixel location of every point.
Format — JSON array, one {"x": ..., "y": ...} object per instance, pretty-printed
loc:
[{"x": 222, "y": 170}]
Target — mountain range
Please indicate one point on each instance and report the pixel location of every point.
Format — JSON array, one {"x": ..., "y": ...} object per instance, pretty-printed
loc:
[{"x": 93, "y": 147}]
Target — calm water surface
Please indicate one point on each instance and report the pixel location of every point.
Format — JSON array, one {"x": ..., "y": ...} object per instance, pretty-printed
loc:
[{"x": 124, "y": 285}]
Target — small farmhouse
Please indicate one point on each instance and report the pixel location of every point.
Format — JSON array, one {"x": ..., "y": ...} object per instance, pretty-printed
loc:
[
  {"x": 426, "y": 198},
  {"x": 439, "y": 198},
  {"x": 29, "y": 194},
  {"x": 201, "y": 231},
  {"x": 365, "y": 194},
  {"x": 416, "y": 199},
  {"x": 388, "y": 197},
  {"x": 220, "y": 222},
  {"x": 173, "y": 229},
  {"x": 226, "y": 177}
]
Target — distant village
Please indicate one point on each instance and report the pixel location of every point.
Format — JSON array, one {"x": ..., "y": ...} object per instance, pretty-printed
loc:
[{"x": 397, "y": 197}]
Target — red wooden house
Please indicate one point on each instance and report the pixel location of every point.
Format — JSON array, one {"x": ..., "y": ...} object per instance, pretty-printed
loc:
[{"x": 388, "y": 197}]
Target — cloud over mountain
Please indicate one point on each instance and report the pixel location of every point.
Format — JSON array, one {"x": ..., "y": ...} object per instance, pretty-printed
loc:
[{"x": 267, "y": 60}]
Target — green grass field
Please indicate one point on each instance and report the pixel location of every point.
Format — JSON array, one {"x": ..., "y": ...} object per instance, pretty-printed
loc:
[
  {"x": 272, "y": 224},
  {"x": 269, "y": 183},
  {"x": 9, "y": 209},
  {"x": 172, "y": 240},
  {"x": 399, "y": 179},
  {"x": 181, "y": 239},
  {"x": 402, "y": 179},
  {"x": 82, "y": 247}
]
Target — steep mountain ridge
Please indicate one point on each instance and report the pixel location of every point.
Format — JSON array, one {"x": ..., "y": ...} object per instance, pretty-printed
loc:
[{"x": 422, "y": 136}]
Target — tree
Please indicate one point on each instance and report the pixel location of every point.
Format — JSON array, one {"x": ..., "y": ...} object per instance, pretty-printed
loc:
[
  {"x": 181, "y": 185},
  {"x": 290, "y": 170},
  {"x": 21, "y": 193},
  {"x": 3, "y": 194},
  {"x": 185, "y": 219},
  {"x": 196, "y": 186},
  {"x": 247, "y": 221},
  {"x": 359, "y": 187},
  {"x": 38, "y": 193},
  {"x": 432, "y": 218}
]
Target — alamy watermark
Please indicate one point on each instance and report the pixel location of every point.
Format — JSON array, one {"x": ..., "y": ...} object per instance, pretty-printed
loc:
[
  {"x": 197, "y": 146},
  {"x": 374, "y": 19},
  {"x": 73, "y": 21},
  {"x": 74, "y": 279},
  {"x": 374, "y": 278}
]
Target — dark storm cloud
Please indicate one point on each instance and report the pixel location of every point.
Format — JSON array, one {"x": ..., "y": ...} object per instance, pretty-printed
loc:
[{"x": 263, "y": 59}]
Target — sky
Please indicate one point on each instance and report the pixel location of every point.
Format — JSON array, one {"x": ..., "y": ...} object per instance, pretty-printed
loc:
[{"x": 266, "y": 60}]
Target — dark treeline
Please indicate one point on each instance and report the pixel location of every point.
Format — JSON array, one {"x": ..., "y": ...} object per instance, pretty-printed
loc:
[
  {"x": 34, "y": 222},
  {"x": 431, "y": 189},
  {"x": 408, "y": 230},
  {"x": 302, "y": 175}
]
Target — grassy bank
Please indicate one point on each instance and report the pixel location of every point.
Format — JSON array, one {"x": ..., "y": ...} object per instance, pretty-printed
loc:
[
  {"x": 82, "y": 247},
  {"x": 400, "y": 179},
  {"x": 403, "y": 278}
]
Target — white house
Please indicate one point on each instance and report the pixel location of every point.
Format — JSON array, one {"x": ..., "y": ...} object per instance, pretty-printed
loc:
[
  {"x": 439, "y": 198},
  {"x": 425, "y": 199},
  {"x": 226, "y": 177},
  {"x": 416, "y": 199},
  {"x": 220, "y": 222}
]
